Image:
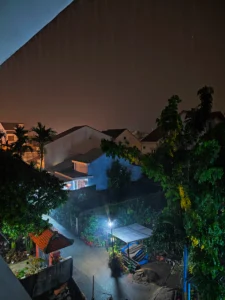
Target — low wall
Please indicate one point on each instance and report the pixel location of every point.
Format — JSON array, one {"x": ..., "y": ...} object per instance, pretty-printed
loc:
[{"x": 49, "y": 278}]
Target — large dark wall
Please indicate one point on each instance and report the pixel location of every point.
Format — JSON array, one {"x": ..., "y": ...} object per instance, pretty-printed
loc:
[{"x": 114, "y": 63}]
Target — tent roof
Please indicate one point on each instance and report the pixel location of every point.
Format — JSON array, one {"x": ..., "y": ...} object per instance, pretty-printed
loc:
[{"x": 132, "y": 233}]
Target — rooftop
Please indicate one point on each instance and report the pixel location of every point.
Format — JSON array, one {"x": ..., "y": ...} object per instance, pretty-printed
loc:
[
  {"x": 68, "y": 131},
  {"x": 114, "y": 133},
  {"x": 153, "y": 136},
  {"x": 217, "y": 114},
  {"x": 10, "y": 126},
  {"x": 88, "y": 157},
  {"x": 49, "y": 241},
  {"x": 65, "y": 171},
  {"x": 70, "y": 173},
  {"x": 132, "y": 233}
]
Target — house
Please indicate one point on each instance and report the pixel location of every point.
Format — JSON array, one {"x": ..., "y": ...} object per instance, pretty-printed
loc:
[
  {"x": 90, "y": 169},
  {"x": 76, "y": 140},
  {"x": 139, "y": 135},
  {"x": 123, "y": 136},
  {"x": 9, "y": 129},
  {"x": 48, "y": 243},
  {"x": 215, "y": 118},
  {"x": 151, "y": 141}
]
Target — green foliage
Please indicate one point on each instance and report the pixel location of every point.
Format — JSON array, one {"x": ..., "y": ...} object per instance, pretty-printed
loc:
[
  {"x": 189, "y": 163},
  {"x": 118, "y": 176},
  {"x": 168, "y": 234},
  {"x": 42, "y": 136},
  {"x": 131, "y": 212},
  {"x": 20, "y": 146},
  {"x": 34, "y": 265},
  {"x": 66, "y": 214},
  {"x": 92, "y": 229},
  {"x": 116, "y": 262},
  {"x": 25, "y": 195},
  {"x": 21, "y": 273}
]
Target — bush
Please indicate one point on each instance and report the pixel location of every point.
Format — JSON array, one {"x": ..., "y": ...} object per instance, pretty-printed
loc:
[{"x": 116, "y": 263}]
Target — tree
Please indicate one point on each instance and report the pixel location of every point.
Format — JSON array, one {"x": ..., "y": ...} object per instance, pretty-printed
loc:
[
  {"x": 189, "y": 164},
  {"x": 42, "y": 136},
  {"x": 25, "y": 195},
  {"x": 2, "y": 136},
  {"x": 118, "y": 176},
  {"x": 20, "y": 146}
]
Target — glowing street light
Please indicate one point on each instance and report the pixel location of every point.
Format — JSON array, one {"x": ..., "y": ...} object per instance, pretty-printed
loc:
[{"x": 110, "y": 224}]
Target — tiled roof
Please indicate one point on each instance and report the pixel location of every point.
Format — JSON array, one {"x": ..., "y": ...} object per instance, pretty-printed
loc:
[
  {"x": 88, "y": 157},
  {"x": 9, "y": 126},
  {"x": 49, "y": 241},
  {"x": 114, "y": 133},
  {"x": 68, "y": 131},
  {"x": 154, "y": 136}
]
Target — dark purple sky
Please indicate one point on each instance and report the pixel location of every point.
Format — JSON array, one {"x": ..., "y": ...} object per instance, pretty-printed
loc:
[
  {"x": 20, "y": 20},
  {"x": 114, "y": 63}
]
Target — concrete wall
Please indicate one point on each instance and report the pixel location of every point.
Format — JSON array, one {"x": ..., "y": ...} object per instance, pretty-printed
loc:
[
  {"x": 99, "y": 167},
  {"x": 127, "y": 137},
  {"x": 77, "y": 142},
  {"x": 10, "y": 287},
  {"x": 48, "y": 279}
]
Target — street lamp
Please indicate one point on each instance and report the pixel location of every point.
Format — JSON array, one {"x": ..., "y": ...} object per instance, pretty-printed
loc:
[{"x": 110, "y": 224}]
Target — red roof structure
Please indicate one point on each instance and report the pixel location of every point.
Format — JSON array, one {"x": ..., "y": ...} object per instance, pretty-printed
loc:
[{"x": 50, "y": 241}]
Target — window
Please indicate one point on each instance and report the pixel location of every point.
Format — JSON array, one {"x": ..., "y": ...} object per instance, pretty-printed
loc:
[
  {"x": 11, "y": 138},
  {"x": 124, "y": 138},
  {"x": 144, "y": 147},
  {"x": 81, "y": 167},
  {"x": 81, "y": 183}
]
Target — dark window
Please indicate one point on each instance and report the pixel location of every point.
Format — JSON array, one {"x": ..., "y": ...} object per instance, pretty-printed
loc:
[
  {"x": 143, "y": 147},
  {"x": 124, "y": 138}
]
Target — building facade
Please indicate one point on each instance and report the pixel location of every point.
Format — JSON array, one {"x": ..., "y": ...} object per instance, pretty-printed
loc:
[
  {"x": 76, "y": 140},
  {"x": 123, "y": 136},
  {"x": 90, "y": 169}
]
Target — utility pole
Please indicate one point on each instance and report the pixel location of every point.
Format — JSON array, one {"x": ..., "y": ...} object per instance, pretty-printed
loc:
[{"x": 93, "y": 289}]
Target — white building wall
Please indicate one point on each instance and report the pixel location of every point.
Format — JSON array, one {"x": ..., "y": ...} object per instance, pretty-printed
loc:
[
  {"x": 77, "y": 142},
  {"x": 128, "y": 138},
  {"x": 148, "y": 147}
]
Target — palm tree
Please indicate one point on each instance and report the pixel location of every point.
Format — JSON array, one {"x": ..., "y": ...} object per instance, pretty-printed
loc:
[
  {"x": 197, "y": 118},
  {"x": 2, "y": 135},
  {"x": 20, "y": 146},
  {"x": 42, "y": 136}
]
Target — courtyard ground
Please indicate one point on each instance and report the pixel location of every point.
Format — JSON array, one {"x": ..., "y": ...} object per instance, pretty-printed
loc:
[{"x": 89, "y": 262}]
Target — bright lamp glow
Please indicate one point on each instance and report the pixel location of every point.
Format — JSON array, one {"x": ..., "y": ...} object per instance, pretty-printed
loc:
[{"x": 110, "y": 224}]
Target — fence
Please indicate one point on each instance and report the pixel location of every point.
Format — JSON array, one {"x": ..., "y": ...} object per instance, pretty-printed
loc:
[{"x": 50, "y": 278}]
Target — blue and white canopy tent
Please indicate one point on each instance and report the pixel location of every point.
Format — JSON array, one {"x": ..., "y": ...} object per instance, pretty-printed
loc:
[{"x": 133, "y": 235}]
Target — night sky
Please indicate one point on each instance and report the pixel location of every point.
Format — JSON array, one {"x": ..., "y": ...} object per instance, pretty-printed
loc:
[
  {"x": 20, "y": 20},
  {"x": 114, "y": 63}
]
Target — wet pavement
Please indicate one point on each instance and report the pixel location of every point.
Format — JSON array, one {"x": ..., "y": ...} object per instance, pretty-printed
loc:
[{"x": 89, "y": 262}]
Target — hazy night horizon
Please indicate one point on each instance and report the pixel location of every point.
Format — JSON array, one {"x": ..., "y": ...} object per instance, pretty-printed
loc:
[{"x": 114, "y": 64}]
